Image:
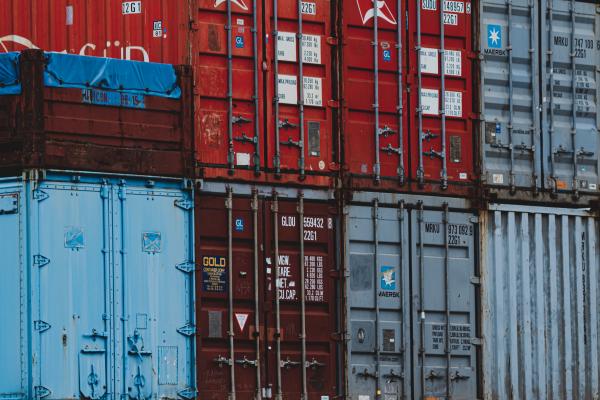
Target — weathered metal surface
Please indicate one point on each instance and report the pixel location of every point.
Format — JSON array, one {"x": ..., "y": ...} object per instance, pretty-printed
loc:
[
  {"x": 102, "y": 301},
  {"x": 540, "y": 283},
  {"x": 50, "y": 127},
  {"x": 410, "y": 267},
  {"x": 267, "y": 306}
]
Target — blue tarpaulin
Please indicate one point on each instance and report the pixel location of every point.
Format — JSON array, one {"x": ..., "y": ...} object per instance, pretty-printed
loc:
[
  {"x": 9, "y": 74},
  {"x": 109, "y": 74}
]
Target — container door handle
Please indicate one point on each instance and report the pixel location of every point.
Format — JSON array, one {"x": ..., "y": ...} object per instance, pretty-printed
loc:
[
  {"x": 288, "y": 364},
  {"x": 457, "y": 376},
  {"x": 392, "y": 376},
  {"x": 314, "y": 364},
  {"x": 220, "y": 361},
  {"x": 433, "y": 375},
  {"x": 366, "y": 374},
  {"x": 244, "y": 362}
]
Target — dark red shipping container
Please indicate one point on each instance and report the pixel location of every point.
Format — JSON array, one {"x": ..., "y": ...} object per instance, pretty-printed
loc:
[
  {"x": 392, "y": 128},
  {"x": 249, "y": 343},
  {"x": 49, "y": 127}
]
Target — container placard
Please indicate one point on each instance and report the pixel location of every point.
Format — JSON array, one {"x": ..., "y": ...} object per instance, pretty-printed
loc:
[
  {"x": 453, "y": 63},
  {"x": 214, "y": 274},
  {"x": 313, "y": 91},
  {"x": 286, "y": 46},
  {"x": 453, "y": 104},
  {"x": 429, "y": 61},
  {"x": 115, "y": 99},
  {"x": 313, "y": 270},
  {"x": 311, "y": 48},
  {"x": 430, "y": 101},
  {"x": 288, "y": 90}
]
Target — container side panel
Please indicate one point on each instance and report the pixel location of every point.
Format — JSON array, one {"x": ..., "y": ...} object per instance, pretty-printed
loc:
[
  {"x": 70, "y": 274},
  {"x": 13, "y": 286},
  {"x": 510, "y": 127},
  {"x": 153, "y": 233},
  {"x": 571, "y": 45},
  {"x": 540, "y": 323}
]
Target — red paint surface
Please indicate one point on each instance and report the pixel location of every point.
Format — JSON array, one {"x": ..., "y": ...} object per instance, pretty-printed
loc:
[
  {"x": 358, "y": 93},
  {"x": 214, "y": 381}
]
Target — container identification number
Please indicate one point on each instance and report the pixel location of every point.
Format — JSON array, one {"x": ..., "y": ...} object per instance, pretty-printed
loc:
[
  {"x": 132, "y": 7},
  {"x": 309, "y": 8},
  {"x": 449, "y": 6}
]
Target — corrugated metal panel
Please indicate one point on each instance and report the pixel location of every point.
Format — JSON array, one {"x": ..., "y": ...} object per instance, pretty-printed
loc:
[
  {"x": 570, "y": 86},
  {"x": 411, "y": 267},
  {"x": 510, "y": 131},
  {"x": 540, "y": 281},
  {"x": 110, "y": 288}
]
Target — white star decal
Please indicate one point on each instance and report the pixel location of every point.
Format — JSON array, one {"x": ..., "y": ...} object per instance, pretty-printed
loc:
[{"x": 494, "y": 36}]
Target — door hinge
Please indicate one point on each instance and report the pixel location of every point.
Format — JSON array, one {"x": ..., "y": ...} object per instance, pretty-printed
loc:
[
  {"x": 336, "y": 274},
  {"x": 184, "y": 204},
  {"x": 187, "y": 267},
  {"x": 39, "y": 260},
  {"x": 474, "y": 220},
  {"x": 476, "y": 341},
  {"x": 333, "y": 104},
  {"x": 41, "y": 392},
  {"x": 475, "y": 280},
  {"x": 332, "y": 40},
  {"x": 187, "y": 330},
  {"x": 188, "y": 393},
  {"x": 40, "y": 195},
  {"x": 41, "y": 326},
  {"x": 340, "y": 336}
]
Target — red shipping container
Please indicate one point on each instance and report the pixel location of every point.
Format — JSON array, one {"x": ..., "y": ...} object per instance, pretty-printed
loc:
[
  {"x": 248, "y": 341},
  {"x": 154, "y": 30},
  {"x": 67, "y": 128},
  {"x": 384, "y": 144},
  {"x": 300, "y": 117}
]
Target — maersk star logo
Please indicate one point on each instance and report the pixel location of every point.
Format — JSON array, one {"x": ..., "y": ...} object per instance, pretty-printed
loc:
[
  {"x": 366, "y": 9},
  {"x": 388, "y": 278},
  {"x": 494, "y": 36},
  {"x": 239, "y": 3}
]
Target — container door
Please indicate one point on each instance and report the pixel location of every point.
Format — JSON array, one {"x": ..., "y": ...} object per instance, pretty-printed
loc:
[
  {"x": 510, "y": 130},
  {"x": 70, "y": 269},
  {"x": 226, "y": 60},
  {"x": 442, "y": 95},
  {"x": 300, "y": 86},
  {"x": 232, "y": 332},
  {"x": 570, "y": 42},
  {"x": 13, "y": 345},
  {"x": 378, "y": 302},
  {"x": 444, "y": 304},
  {"x": 154, "y": 266},
  {"x": 375, "y": 112},
  {"x": 301, "y": 294}
]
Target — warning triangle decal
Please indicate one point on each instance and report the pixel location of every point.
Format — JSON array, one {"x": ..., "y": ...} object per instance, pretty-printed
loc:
[{"x": 241, "y": 320}]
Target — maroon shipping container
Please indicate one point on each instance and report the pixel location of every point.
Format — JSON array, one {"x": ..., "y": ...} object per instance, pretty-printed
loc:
[
  {"x": 392, "y": 128},
  {"x": 57, "y": 128},
  {"x": 249, "y": 341},
  {"x": 255, "y": 122}
]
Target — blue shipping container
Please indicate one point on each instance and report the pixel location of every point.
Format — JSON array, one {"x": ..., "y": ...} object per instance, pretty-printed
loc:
[{"x": 97, "y": 288}]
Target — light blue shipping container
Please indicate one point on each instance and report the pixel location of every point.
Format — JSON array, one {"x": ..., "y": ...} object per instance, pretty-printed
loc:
[{"x": 96, "y": 288}]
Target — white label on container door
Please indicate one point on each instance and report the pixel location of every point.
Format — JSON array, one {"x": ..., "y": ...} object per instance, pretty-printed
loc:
[
  {"x": 309, "y": 8},
  {"x": 313, "y": 91},
  {"x": 453, "y": 63},
  {"x": 131, "y": 7},
  {"x": 242, "y": 159},
  {"x": 428, "y": 5},
  {"x": 69, "y": 16},
  {"x": 454, "y": 6},
  {"x": 462, "y": 175},
  {"x": 498, "y": 179},
  {"x": 429, "y": 61},
  {"x": 430, "y": 101},
  {"x": 311, "y": 49},
  {"x": 453, "y": 104},
  {"x": 286, "y": 46},
  {"x": 450, "y": 19},
  {"x": 288, "y": 89}
]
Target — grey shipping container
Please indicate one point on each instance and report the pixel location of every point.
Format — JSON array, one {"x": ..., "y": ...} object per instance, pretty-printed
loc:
[
  {"x": 411, "y": 272},
  {"x": 97, "y": 288},
  {"x": 540, "y": 281},
  {"x": 539, "y": 96}
]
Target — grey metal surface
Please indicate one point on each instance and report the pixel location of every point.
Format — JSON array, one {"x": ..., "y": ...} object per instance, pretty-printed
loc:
[
  {"x": 539, "y": 93},
  {"x": 386, "y": 301},
  {"x": 570, "y": 84},
  {"x": 540, "y": 304},
  {"x": 510, "y": 127}
]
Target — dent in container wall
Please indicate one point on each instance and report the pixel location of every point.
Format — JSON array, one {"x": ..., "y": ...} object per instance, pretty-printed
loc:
[
  {"x": 154, "y": 30},
  {"x": 258, "y": 253},
  {"x": 412, "y": 309},
  {"x": 299, "y": 89},
  {"x": 540, "y": 281},
  {"x": 72, "y": 281},
  {"x": 441, "y": 119}
]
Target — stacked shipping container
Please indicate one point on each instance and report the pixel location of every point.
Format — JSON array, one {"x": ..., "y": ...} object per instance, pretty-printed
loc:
[{"x": 403, "y": 282}]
